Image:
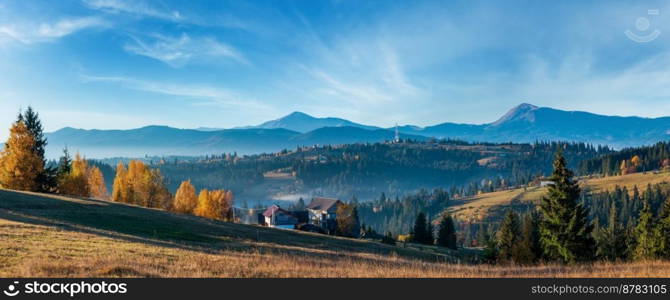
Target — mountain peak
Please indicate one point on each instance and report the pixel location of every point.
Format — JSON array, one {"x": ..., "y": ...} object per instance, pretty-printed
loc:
[
  {"x": 519, "y": 112},
  {"x": 302, "y": 122},
  {"x": 297, "y": 114},
  {"x": 525, "y": 106}
]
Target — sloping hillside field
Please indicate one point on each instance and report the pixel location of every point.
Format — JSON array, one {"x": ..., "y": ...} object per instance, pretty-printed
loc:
[
  {"x": 481, "y": 206},
  {"x": 52, "y": 236}
]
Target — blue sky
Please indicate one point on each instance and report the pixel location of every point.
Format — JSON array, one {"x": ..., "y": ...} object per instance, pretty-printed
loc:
[{"x": 125, "y": 64}]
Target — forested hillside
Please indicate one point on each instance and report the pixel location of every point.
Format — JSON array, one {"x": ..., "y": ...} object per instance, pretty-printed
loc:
[
  {"x": 629, "y": 160},
  {"x": 366, "y": 171}
]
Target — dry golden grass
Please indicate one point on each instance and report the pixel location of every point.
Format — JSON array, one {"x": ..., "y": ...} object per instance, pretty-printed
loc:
[
  {"x": 629, "y": 181},
  {"x": 51, "y": 236},
  {"x": 41, "y": 251},
  {"x": 477, "y": 207}
]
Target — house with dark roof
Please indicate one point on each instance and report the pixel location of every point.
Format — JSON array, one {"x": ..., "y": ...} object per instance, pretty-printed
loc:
[
  {"x": 278, "y": 217},
  {"x": 322, "y": 212}
]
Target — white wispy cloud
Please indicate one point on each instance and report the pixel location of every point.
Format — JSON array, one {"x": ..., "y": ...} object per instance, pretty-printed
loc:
[
  {"x": 360, "y": 68},
  {"x": 643, "y": 87},
  {"x": 351, "y": 92},
  {"x": 134, "y": 7},
  {"x": 198, "y": 94},
  {"x": 367, "y": 74},
  {"x": 152, "y": 9},
  {"x": 28, "y": 33},
  {"x": 179, "y": 51}
]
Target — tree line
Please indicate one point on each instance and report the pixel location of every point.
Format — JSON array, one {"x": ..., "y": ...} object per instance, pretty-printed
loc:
[
  {"x": 214, "y": 204},
  {"x": 423, "y": 232},
  {"x": 367, "y": 170},
  {"x": 138, "y": 184},
  {"x": 23, "y": 166},
  {"x": 629, "y": 160}
]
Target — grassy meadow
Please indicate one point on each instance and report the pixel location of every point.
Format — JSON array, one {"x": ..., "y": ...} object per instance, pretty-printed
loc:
[{"x": 54, "y": 236}]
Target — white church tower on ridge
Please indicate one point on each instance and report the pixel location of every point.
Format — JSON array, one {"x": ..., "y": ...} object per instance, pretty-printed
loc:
[{"x": 396, "y": 139}]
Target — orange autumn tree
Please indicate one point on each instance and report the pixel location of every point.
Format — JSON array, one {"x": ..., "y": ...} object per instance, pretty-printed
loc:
[
  {"x": 96, "y": 183},
  {"x": 631, "y": 166},
  {"x": 215, "y": 204},
  {"x": 121, "y": 189},
  {"x": 75, "y": 182},
  {"x": 19, "y": 164},
  {"x": 185, "y": 200}
]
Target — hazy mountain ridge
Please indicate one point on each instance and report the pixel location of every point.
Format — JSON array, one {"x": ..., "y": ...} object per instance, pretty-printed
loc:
[
  {"x": 303, "y": 123},
  {"x": 529, "y": 123},
  {"x": 163, "y": 140},
  {"x": 523, "y": 123}
]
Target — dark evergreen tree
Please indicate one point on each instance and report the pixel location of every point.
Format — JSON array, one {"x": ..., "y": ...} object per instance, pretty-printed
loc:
[
  {"x": 611, "y": 240},
  {"x": 430, "y": 240},
  {"x": 647, "y": 237},
  {"x": 446, "y": 236},
  {"x": 420, "y": 232},
  {"x": 664, "y": 229},
  {"x": 482, "y": 235},
  {"x": 64, "y": 164},
  {"x": 508, "y": 237},
  {"x": 631, "y": 240},
  {"x": 565, "y": 232},
  {"x": 46, "y": 179},
  {"x": 490, "y": 254},
  {"x": 530, "y": 249}
]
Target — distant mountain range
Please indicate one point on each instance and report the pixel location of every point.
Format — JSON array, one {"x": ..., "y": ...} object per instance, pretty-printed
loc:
[
  {"x": 164, "y": 141},
  {"x": 529, "y": 123},
  {"x": 524, "y": 123},
  {"x": 300, "y": 122}
]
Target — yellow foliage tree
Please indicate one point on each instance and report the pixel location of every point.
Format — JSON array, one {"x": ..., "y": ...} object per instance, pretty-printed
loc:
[
  {"x": 185, "y": 200},
  {"x": 120, "y": 189},
  {"x": 204, "y": 204},
  {"x": 140, "y": 185},
  {"x": 215, "y": 204},
  {"x": 157, "y": 194},
  {"x": 19, "y": 164},
  {"x": 96, "y": 183},
  {"x": 76, "y": 181},
  {"x": 636, "y": 161}
]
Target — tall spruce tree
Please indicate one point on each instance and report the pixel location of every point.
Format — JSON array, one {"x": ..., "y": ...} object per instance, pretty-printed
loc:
[
  {"x": 646, "y": 235},
  {"x": 611, "y": 240},
  {"x": 64, "y": 164},
  {"x": 508, "y": 237},
  {"x": 420, "y": 232},
  {"x": 530, "y": 249},
  {"x": 664, "y": 229},
  {"x": 482, "y": 235},
  {"x": 565, "y": 232},
  {"x": 46, "y": 179},
  {"x": 446, "y": 235}
]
